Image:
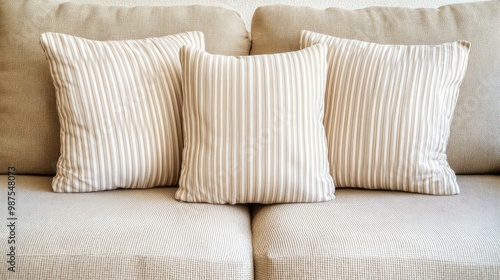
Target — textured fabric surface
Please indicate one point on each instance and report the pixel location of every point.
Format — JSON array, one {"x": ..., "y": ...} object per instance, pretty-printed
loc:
[
  {"x": 388, "y": 111},
  {"x": 253, "y": 128},
  {"x": 124, "y": 234},
  {"x": 29, "y": 130},
  {"x": 367, "y": 234},
  {"x": 474, "y": 145},
  {"x": 247, "y": 8},
  {"x": 119, "y": 106}
]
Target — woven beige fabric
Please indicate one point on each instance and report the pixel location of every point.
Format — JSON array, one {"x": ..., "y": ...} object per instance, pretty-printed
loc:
[
  {"x": 474, "y": 145},
  {"x": 366, "y": 234},
  {"x": 253, "y": 128},
  {"x": 125, "y": 234},
  {"x": 29, "y": 130},
  {"x": 388, "y": 111}
]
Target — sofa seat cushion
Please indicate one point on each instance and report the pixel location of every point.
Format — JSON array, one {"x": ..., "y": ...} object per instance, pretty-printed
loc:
[
  {"x": 125, "y": 234},
  {"x": 367, "y": 234}
]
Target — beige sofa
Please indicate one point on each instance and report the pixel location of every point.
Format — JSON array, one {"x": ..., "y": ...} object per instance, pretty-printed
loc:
[{"x": 147, "y": 234}]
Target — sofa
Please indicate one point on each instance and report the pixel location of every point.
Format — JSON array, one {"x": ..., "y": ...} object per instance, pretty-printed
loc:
[{"x": 148, "y": 233}]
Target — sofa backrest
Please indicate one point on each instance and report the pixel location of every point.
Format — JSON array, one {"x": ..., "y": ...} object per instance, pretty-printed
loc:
[
  {"x": 474, "y": 143},
  {"x": 29, "y": 126}
]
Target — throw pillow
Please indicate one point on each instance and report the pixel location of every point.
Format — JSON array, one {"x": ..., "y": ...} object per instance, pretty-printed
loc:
[
  {"x": 253, "y": 128},
  {"x": 388, "y": 113},
  {"x": 119, "y": 108}
]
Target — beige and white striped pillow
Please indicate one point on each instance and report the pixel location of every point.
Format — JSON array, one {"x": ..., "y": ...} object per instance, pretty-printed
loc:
[
  {"x": 388, "y": 113},
  {"x": 253, "y": 128},
  {"x": 119, "y": 108}
]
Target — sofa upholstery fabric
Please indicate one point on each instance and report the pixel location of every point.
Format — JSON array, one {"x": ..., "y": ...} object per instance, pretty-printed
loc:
[
  {"x": 30, "y": 139},
  {"x": 147, "y": 234},
  {"x": 474, "y": 145},
  {"x": 125, "y": 234},
  {"x": 365, "y": 234}
]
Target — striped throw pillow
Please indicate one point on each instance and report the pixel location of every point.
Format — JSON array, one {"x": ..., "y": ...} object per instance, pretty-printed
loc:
[
  {"x": 388, "y": 113},
  {"x": 119, "y": 108},
  {"x": 253, "y": 128}
]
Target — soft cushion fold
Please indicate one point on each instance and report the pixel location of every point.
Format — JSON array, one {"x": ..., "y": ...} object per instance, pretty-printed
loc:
[{"x": 253, "y": 128}]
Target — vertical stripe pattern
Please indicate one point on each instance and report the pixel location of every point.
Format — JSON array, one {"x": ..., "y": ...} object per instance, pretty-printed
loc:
[
  {"x": 388, "y": 113},
  {"x": 253, "y": 128},
  {"x": 119, "y": 105}
]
